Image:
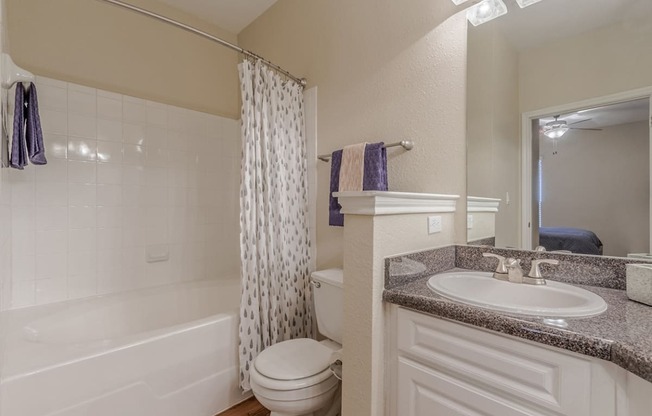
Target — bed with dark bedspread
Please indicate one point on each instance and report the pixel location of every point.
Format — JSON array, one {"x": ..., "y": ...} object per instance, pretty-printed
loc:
[{"x": 576, "y": 240}]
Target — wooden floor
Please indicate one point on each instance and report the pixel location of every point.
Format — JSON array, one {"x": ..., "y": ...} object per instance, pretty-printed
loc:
[{"x": 250, "y": 407}]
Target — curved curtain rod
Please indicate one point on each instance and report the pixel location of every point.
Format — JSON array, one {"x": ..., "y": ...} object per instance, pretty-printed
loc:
[{"x": 300, "y": 81}]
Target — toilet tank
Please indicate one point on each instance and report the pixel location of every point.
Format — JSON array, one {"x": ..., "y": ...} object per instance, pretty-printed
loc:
[{"x": 329, "y": 302}]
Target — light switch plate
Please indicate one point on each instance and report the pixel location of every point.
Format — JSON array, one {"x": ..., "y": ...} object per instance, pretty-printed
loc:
[
  {"x": 434, "y": 224},
  {"x": 469, "y": 221}
]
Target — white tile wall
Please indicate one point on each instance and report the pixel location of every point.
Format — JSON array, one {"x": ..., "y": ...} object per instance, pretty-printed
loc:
[{"x": 124, "y": 176}]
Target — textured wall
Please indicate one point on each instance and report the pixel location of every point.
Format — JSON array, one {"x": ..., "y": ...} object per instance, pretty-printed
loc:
[
  {"x": 368, "y": 374},
  {"x": 103, "y": 46},
  {"x": 386, "y": 70}
]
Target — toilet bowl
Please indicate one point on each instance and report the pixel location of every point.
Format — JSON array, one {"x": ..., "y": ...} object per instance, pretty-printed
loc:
[{"x": 293, "y": 378}]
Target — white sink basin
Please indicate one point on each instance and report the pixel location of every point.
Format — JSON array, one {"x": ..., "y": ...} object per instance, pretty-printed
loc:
[{"x": 480, "y": 289}]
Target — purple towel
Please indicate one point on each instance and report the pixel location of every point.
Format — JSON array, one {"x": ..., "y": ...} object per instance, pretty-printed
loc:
[
  {"x": 375, "y": 177},
  {"x": 375, "y": 167},
  {"x": 34, "y": 134},
  {"x": 334, "y": 216},
  {"x": 27, "y": 130},
  {"x": 18, "y": 159}
]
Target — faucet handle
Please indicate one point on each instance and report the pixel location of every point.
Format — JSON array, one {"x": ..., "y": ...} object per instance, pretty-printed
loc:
[
  {"x": 535, "y": 272},
  {"x": 501, "y": 262}
]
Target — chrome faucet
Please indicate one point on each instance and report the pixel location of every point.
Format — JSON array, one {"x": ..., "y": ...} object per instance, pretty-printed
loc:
[
  {"x": 510, "y": 269},
  {"x": 535, "y": 277},
  {"x": 514, "y": 271},
  {"x": 501, "y": 270}
]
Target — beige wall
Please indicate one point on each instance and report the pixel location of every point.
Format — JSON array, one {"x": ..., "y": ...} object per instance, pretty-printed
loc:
[
  {"x": 599, "y": 181},
  {"x": 99, "y": 45},
  {"x": 493, "y": 139},
  {"x": 367, "y": 376},
  {"x": 386, "y": 70},
  {"x": 605, "y": 61},
  {"x": 484, "y": 226}
]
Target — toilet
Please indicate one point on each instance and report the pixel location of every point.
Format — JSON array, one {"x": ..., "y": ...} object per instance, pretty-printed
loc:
[{"x": 293, "y": 378}]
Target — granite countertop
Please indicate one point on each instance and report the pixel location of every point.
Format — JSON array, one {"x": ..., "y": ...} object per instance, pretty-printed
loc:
[{"x": 622, "y": 334}]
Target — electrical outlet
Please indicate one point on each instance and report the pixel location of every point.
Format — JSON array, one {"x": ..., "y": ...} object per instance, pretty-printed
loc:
[
  {"x": 434, "y": 224},
  {"x": 469, "y": 221}
]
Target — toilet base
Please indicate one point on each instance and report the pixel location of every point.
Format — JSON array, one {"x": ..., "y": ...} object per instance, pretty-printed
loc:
[{"x": 334, "y": 409}]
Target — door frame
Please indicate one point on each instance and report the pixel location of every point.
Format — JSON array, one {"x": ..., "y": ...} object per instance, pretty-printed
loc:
[{"x": 526, "y": 150}]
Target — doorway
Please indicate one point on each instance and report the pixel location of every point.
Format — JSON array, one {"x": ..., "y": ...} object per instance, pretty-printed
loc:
[{"x": 586, "y": 176}]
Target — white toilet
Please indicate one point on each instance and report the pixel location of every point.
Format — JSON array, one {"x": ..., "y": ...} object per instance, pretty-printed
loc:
[{"x": 293, "y": 378}]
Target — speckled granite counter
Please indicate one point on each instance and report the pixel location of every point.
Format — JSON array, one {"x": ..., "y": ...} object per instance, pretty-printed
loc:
[{"x": 622, "y": 334}]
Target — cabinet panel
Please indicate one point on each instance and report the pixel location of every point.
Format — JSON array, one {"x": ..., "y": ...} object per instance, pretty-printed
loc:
[
  {"x": 639, "y": 396},
  {"x": 425, "y": 391},
  {"x": 524, "y": 372}
]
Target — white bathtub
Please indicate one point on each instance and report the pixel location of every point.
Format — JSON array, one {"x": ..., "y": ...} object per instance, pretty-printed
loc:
[{"x": 167, "y": 351}]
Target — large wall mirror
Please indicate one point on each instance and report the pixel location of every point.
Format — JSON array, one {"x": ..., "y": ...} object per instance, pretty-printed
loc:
[{"x": 559, "y": 127}]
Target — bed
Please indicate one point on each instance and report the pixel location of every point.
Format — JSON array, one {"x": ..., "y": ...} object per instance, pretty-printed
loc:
[{"x": 576, "y": 240}]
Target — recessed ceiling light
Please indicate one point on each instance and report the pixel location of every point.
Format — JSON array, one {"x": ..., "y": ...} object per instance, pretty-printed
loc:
[
  {"x": 458, "y": 2},
  {"x": 485, "y": 11},
  {"x": 525, "y": 3}
]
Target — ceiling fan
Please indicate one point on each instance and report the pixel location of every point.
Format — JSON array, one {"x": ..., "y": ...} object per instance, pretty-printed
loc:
[{"x": 557, "y": 128}]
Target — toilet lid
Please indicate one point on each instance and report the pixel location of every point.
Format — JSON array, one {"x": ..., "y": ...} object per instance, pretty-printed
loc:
[{"x": 293, "y": 360}]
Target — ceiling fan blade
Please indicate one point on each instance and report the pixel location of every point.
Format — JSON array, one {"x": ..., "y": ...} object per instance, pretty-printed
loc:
[
  {"x": 581, "y": 121},
  {"x": 580, "y": 128}
]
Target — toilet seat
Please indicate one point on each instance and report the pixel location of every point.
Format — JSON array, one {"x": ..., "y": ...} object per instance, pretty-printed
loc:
[
  {"x": 292, "y": 365},
  {"x": 287, "y": 392}
]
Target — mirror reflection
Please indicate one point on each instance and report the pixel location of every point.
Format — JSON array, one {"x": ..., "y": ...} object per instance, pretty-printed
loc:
[{"x": 558, "y": 127}]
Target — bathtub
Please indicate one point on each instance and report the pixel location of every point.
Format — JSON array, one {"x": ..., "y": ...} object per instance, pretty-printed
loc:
[{"x": 166, "y": 351}]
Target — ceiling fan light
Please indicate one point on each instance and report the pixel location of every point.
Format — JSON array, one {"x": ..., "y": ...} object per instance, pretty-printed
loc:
[
  {"x": 485, "y": 11},
  {"x": 556, "y": 132},
  {"x": 524, "y": 3}
]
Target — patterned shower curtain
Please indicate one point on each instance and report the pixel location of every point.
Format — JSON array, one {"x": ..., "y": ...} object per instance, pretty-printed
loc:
[{"x": 274, "y": 236}]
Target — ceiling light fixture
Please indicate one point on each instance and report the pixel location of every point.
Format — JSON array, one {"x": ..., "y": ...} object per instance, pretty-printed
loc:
[
  {"x": 485, "y": 11},
  {"x": 524, "y": 3},
  {"x": 458, "y": 2},
  {"x": 555, "y": 129}
]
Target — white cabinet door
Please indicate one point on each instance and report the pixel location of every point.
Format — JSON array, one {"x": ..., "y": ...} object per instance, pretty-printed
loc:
[
  {"x": 519, "y": 371},
  {"x": 424, "y": 391}
]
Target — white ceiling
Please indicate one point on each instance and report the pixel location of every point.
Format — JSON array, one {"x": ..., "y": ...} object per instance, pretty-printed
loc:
[
  {"x": 551, "y": 20},
  {"x": 232, "y": 15},
  {"x": 610, "y": 115}
]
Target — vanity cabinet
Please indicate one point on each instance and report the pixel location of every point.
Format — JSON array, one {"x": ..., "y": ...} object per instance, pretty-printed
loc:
[{"x": 446, "y": 368}]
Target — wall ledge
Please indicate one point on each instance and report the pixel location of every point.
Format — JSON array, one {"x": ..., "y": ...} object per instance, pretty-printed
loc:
[
  {"x": 480, "y": 204},
  {"x": 394, "y": 203}
]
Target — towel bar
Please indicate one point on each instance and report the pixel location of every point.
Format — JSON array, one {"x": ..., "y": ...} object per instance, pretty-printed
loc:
[{"x": 405, "y": 144}]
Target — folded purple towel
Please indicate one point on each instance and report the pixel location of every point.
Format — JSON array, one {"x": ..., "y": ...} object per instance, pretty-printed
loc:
[
  {"x": 18, "y": 158},
  {"x": 375, "y": 177},
  {"x": 33, "y": 132}
]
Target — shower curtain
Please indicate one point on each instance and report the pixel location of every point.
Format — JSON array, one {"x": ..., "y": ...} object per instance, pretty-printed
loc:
[{"x": 274, "y": 234}]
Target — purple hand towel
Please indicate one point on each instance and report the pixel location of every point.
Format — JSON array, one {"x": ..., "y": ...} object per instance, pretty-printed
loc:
[
  {"x": 375, "y": 177},
  {"x": 18, "y": 158},
  {"x": 375, "y": 167},
  {"x": 34, "y": 133},
  {"x": 334, "y": 216}
]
